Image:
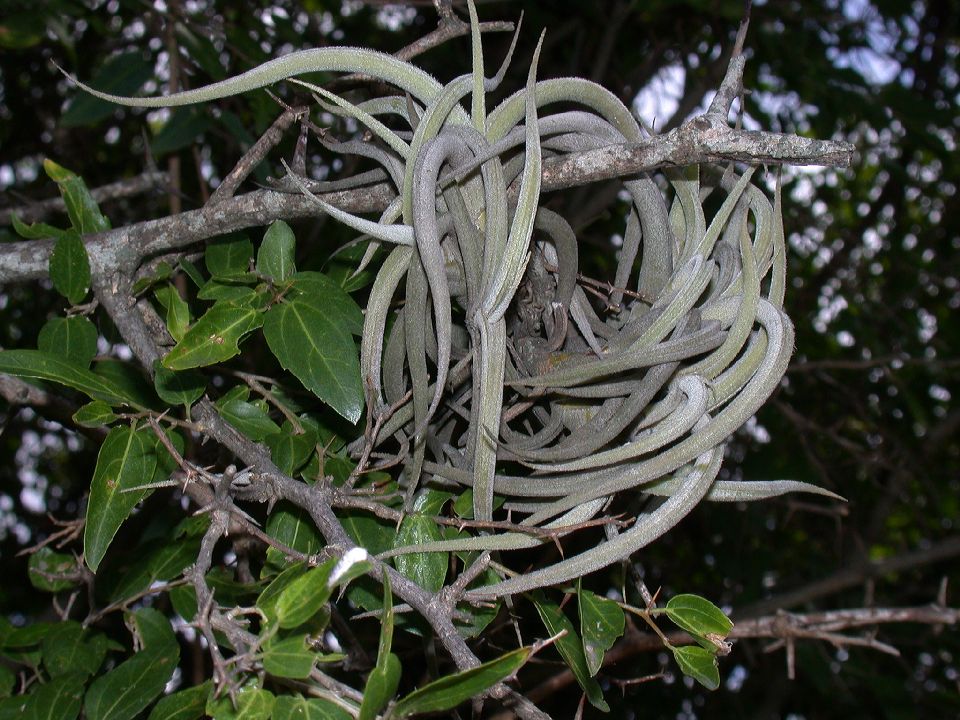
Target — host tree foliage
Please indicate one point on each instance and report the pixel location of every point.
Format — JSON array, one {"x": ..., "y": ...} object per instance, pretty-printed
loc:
[{"x": 414, "y": 420}]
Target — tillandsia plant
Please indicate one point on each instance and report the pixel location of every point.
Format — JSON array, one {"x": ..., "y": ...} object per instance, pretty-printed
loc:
[{"x": 502, "y": 400}]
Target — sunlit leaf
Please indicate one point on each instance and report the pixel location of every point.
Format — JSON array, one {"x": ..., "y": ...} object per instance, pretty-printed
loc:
[
  {"x": 698, "y": 615},
  {"x": 213, "y": 338}
]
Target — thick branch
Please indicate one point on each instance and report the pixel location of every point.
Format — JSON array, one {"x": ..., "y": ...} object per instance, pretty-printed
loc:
[{"x": 703, "y": 139}]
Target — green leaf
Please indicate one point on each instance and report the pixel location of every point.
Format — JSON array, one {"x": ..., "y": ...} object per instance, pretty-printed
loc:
[
  {"x": 276, "y": 255},
  {"x": 130, "y": 379},
  {"x": 326, "y": 295},
  {"x": 428, "y": 570},
  {"x": 699, "y": 664},
  {"x": 253, "y": 703},
  {"x": 305, "y": 596},
  {"x": 601, "y": 623},
  {"x": 183, "y": 129},
  {"x": 35, "y": 231},
  {"x": 126, "y": 690},
  {"x": 248, "y": 418},
  {"x": 178, "y": 388},
  {"x": 157, "y": 562},
  {"x": 291, "y": 451},
  {"x": 46, "y": 366},
  {"x": 59, "y": 699},
  {"x": 127, "y": 459},
  {"x": 384, "y": 679},
  {"x": 215, "y": 337},
  {"x": 177, "y": 313},
  {"x": 69, "y": 647},
  {"x": 382, "y": 684},
  {"x": 73, "y": 337},
  {"x": 570, "y": 648},
  {"x": 188, "y": 704},
  {"x": 233, "y": 292},
  {"x": 314, "y": 347},
  {"x": 448, "y": 692},
  {"x": 94, "y": 414},
  {"x": 82, "y": 209},
  {"x": 70, "y": 268},
  {"x": 289, "y": 658},
  {"x": 267, "y": 601},
  {"x": 122, "y": 74},
  {"x": 229, "y": 256},
  {"x": 293, "y": 526},
  {"x": 368, "y": 531},
  {"x": 161, "y": 272},
  {"x": 289, "y": 707},
  {"x": 698, "y": 616},
  {"x": 52, "y": 571}
]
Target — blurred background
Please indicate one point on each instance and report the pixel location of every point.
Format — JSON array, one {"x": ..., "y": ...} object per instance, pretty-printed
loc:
[{"x": 867, "y": 408}]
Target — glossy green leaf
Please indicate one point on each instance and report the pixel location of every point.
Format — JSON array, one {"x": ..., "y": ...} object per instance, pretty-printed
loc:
[
  {"x": 73, "y": 337},
  {"x": 698, "y": 616},
  {"x": 293, "y": 526},
  {"x": 52, "y": 571},
  {"x": 428, "y": 570},
  {"x": 189, "y": 704},
  {"x": 176, "y": 311},
  {"x": 249, "y": 418},
  {"x": 229, "y": 256},
  {"x": 46, "y": 366},
  {"x": 267, "y": 601},
  {"x": 698, "y": 663},
  {"x": 448, "y": 692},
  {"x": 570, "y": 648},
  {"x": 127, "y": 459},
  {"x": 122, "y": 74},
  {"x": 59, "y": 699},
  {"x": 94, "y": 414},
  {"x": 289, "y": 658},
  {"x": 69, "y": 647},
  {"x": 601, "y": 623},
  {"x": 303, "y": 598},
  {"x": 325, "y": 294},
  {"x": 234, "y": 292},
  {"x": 252, "y": 703},
  {"x": 70, "y": 268},
  {"x": 289, "y": 450},
  {"x": 178, "y": 388},
  {"x": 289, "y": 707},
  {"x": 275, "y": 258},
  {"x": 213, "y": 338},
  {"x": 82, "y": 209},
  {"x": 368, "y": 531},
  {"x": 130, "y": 687},
  {"x": 314, "y": 347}
]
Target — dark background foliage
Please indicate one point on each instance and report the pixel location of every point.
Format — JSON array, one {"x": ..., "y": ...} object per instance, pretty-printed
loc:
[{"x": 867, "y": 409}]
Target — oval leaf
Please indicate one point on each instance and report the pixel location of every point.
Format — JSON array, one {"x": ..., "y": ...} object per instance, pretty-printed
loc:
[
  {"x": 304, "y": 597},
  {"x": 126, "y": 690},
  {"x": 252, "y": 703},
  {"x": 312, "y": 345},
  {"x": 700, "y": 664},
  {"x": 127, "y": 459},
  {"x": 698, "y": 616},
  {"x": 178, "y": 388},
  {"x": 69, "y": 647},
  {"x": 94, "y": 414},
  {"x": 70, "y": 268},
  {"x": 52, "y": 571},
  {"x": 214, "y": 337},
  {"x": 58, "y": 699},
  {"x": 289, "y": 658},
  {"x": 276, "y": 255},
  {"x": 85, "y": 215},
  {"x": 73, "y": 337},
  {"x": 428, "y": 570},
  {"x": 229, "y": 256},
  {"x": 601, "y": 623}
]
